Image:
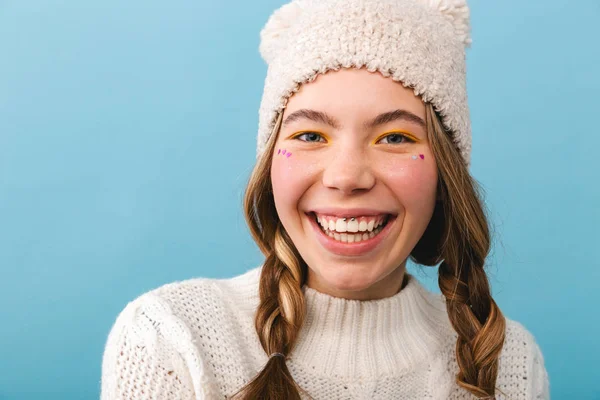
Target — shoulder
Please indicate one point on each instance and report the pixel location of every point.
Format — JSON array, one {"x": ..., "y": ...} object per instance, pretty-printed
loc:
[
  {"x": 148, "y": 342},
  {"x": 207, "y": 296},
  {"x": 177, "y": 304},
  {"x": 177, "y": 325},
  {"x": 146, "y": 351},
  {"x": 521, "y": 363},
  {"x": 522, "y": 373},
  {"x": 520, "y": 342}
]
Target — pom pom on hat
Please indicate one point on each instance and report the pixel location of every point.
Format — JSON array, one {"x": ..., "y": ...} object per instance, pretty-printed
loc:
[
  {"x": 276, "y": 27},
  {"x": 457, "y": 12}
]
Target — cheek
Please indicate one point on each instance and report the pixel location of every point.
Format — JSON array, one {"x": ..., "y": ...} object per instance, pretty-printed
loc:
[
  {"x": 291, "y": 176},
  {"x": 414, "y": 181}
]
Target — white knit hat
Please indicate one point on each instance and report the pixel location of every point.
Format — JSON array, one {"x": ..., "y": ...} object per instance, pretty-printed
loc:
[{"x": 420, "y": 43}]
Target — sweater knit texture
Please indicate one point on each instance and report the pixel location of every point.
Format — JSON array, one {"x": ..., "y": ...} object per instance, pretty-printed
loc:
[
  {"x": 419, "y": 43},
  {"x": 195, "y": 339}
]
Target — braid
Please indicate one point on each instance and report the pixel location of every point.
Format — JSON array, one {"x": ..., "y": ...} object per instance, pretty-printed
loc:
[
  {"x": 480, "y": 327},
  {"x": 281, "y": 310},
  {"x": 278, "y": 320},
  {"x": 459, "y": 237}
]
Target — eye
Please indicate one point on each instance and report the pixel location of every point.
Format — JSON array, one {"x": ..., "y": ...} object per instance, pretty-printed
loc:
[
  {"x": 397, "y": 138},
  {"x": 310, "y": 136}
]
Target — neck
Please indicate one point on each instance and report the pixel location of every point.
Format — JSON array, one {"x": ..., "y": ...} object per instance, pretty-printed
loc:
[{"x": 350, "y": 289}]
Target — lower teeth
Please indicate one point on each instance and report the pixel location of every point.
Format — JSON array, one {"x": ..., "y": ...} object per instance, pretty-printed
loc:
[{"x": 352, "y": 237}]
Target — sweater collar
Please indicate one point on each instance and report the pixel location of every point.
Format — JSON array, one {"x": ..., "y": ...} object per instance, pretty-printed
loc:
[{"x": 354, "y": 338}]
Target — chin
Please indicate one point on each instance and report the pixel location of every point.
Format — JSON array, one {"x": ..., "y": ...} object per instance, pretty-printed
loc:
[{"x": 344, "y": 277}]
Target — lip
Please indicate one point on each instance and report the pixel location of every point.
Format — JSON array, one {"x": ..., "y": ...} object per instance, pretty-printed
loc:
[
  {"x": 351, "y": 249},
  {"x": 350, "y": 212}
]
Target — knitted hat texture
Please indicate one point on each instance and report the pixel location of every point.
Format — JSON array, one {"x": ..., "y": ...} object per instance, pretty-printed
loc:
[{"x": 419, "y": 43}]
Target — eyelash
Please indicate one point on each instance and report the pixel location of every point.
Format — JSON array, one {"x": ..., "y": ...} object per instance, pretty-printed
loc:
[{"x": 407, "y": 139}]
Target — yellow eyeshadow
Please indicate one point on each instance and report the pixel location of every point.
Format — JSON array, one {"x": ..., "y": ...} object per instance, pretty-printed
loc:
[
  {"x": 407, "y": 134},
  {"x": 295, "y": 135}
]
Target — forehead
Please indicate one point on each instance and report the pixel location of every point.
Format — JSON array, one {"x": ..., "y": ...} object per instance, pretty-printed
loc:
[{"x": 349, "y": 91}]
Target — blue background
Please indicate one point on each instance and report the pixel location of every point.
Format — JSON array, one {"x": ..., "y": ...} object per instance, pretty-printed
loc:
[{"x": 127, "y": 134}]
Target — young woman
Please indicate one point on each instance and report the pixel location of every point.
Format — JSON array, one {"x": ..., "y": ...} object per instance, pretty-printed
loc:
[{"x": 362, "y": 162}]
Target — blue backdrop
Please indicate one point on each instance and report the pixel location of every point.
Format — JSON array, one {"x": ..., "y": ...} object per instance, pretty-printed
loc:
[{"x": 127, "y": 134}]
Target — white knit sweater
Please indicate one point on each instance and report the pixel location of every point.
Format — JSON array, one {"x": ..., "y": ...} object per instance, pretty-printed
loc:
[{"x": 196, "y": 340}]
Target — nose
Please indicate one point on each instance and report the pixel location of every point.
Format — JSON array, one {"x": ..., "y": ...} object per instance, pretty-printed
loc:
[{"x": 348, "y": 171}]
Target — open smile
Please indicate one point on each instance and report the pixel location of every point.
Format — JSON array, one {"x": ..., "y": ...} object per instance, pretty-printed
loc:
[{"x": 351, "y": 236}]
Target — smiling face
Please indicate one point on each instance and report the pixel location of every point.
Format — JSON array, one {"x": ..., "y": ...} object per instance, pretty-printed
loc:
[{"x": 353, "y": 144}]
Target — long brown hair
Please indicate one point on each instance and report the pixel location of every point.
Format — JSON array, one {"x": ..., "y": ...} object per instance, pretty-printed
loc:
[{"x": 457, "y": 235}]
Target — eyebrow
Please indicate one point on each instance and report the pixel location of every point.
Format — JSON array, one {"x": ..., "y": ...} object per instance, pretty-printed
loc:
[{"x": 322, "y": 117}]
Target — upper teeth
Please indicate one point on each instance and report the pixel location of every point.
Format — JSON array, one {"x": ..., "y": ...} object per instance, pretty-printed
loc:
[{"x": 350, "y": 224}]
